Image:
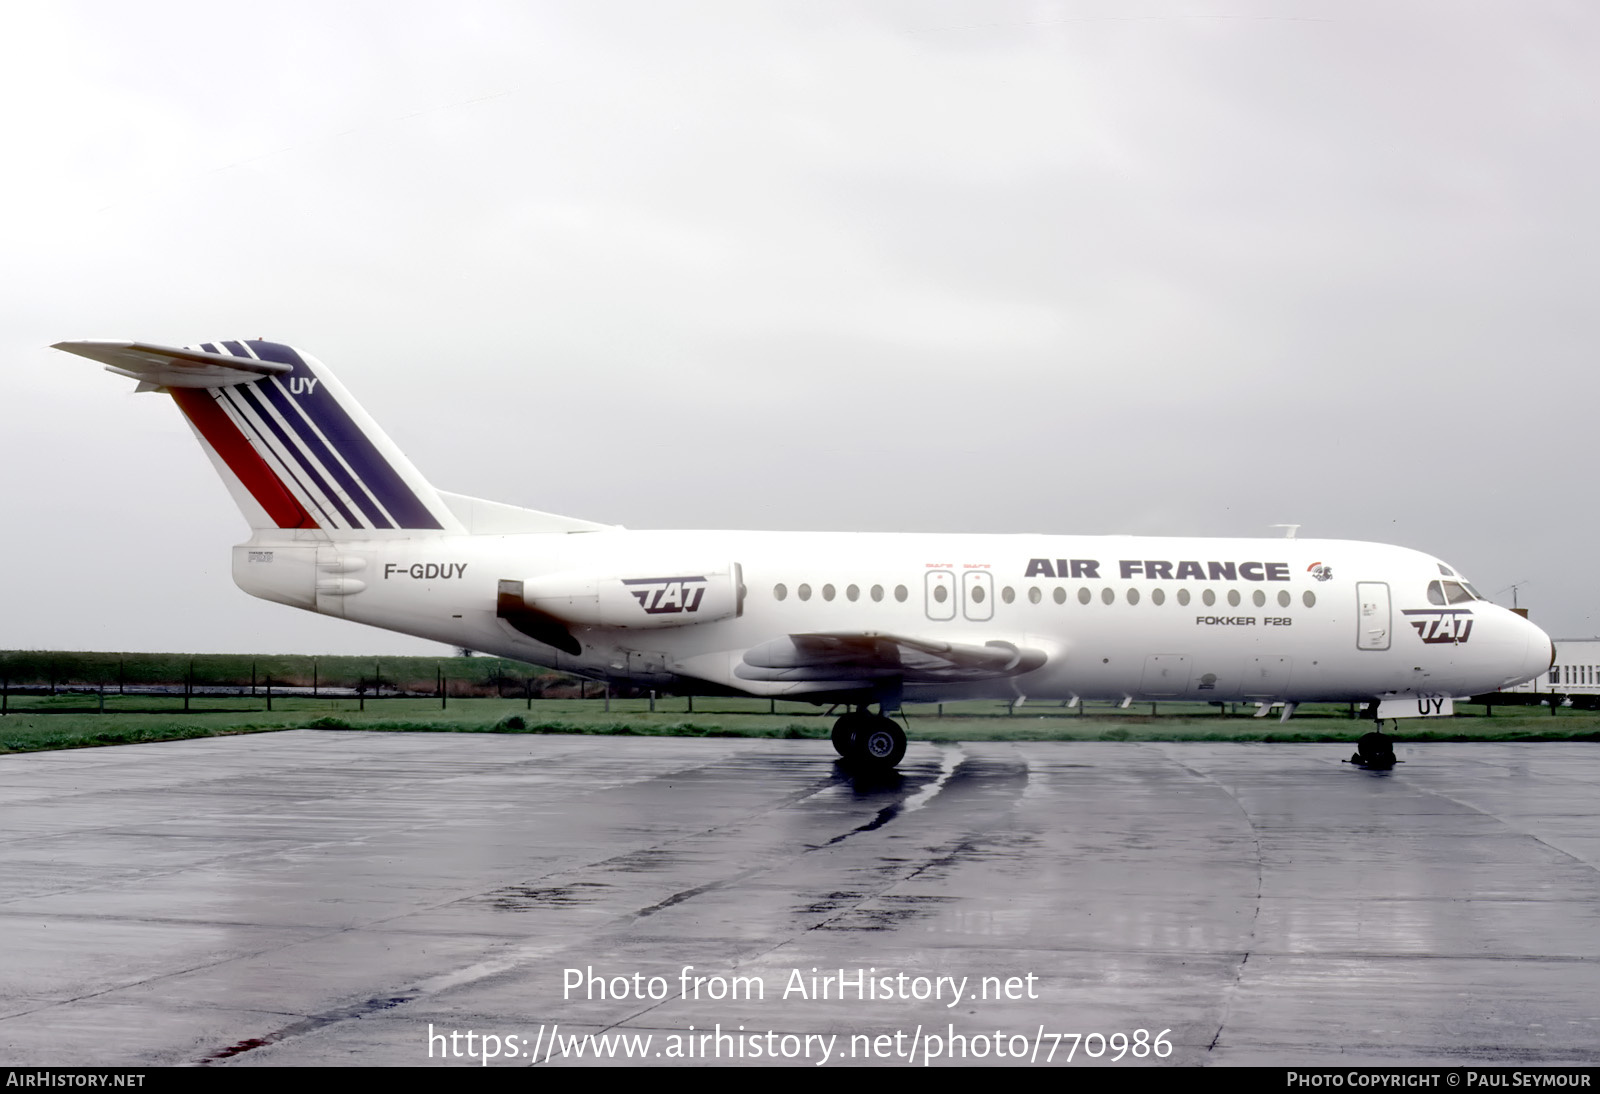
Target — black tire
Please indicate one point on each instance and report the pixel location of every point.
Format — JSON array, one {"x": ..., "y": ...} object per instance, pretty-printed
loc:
[
  {"x": 845, "y": 731},
  {"x": 882, "y": 744}
]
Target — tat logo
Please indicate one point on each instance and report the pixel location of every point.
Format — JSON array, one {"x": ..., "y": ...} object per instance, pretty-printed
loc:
[
  {"x": 1320, "y": 571},
  {"x": 665, "y": 595},
  {"x": 1440, "y": 625}
]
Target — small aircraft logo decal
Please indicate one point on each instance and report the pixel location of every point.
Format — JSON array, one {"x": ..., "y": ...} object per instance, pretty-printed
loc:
[
  {"x": 1320, "y": 571},
  {"x": 663, "y": 595},
  {"x": 1441, "y": 625}
]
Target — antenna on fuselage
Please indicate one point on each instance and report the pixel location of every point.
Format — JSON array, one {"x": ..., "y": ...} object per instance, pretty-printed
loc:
[{"x": 1288, "y": 529}]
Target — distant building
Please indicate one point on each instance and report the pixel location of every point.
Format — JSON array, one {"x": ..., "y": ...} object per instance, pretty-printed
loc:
[{"x": 1575, "y": 675}]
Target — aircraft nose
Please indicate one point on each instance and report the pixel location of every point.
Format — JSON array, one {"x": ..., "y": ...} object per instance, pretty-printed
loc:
[{"x": 1541, "y": 653}]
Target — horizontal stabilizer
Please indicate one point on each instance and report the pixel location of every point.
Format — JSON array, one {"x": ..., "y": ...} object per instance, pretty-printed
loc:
[
  {"x": 292, "y": 446},
  {"x": 172, "y": 366}
]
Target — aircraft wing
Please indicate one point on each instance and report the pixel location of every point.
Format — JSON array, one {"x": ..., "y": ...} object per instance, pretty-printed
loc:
[{"x": 871, "y": 655}]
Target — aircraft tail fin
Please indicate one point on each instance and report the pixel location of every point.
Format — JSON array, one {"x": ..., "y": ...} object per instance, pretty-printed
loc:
[{"x": 296, "y": 451}]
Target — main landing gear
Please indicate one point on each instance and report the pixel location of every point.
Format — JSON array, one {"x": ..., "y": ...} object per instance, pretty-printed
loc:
[{"x": 870, "y": 740}]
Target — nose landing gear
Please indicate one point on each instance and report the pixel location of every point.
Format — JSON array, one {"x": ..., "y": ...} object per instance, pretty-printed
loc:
[
  {"x": 1374, "y": 751},
  {"x": 871, "y": 740}
]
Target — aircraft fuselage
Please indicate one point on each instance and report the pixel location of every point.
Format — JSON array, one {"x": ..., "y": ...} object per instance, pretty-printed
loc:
[{"x": 1094, "y": 617}]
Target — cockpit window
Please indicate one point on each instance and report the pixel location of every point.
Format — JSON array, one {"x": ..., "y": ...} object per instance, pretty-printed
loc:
[
  {"x": 1445, "y": 570},
  {"x": 1476, "y": 595},
  {"x": 1451, "y": 592}
]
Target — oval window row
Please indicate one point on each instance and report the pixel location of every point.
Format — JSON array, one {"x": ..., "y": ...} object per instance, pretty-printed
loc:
[
  {"x": 1208, "y": 597},
  {"x": 780, "y": 591}
]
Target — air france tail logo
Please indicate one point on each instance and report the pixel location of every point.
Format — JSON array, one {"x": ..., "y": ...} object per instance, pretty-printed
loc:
[
  {"x": 1441, "y": 625},
  {"x": 302, "y": 385},
  {"x": 666, "y": 595}
]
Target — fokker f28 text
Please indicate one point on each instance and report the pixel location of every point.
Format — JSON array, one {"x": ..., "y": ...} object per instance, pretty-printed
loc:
[{"x": 343, "y": 524}]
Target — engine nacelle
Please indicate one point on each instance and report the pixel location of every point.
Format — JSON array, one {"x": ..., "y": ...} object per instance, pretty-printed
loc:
[{"x": 670, "y": 598}]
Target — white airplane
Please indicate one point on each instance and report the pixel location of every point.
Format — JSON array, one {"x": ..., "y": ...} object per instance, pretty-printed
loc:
[{"x": 343, "y": 524}]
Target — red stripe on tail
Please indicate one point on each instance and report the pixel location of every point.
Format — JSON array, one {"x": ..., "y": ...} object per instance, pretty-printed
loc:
[{"x": 242, "y": 459}]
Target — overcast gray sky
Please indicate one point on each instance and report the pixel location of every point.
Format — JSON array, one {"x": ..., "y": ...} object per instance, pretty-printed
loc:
[{"x": 1144, "y": 267}]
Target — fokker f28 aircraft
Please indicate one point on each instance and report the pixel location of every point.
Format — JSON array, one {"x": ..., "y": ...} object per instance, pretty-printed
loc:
[{"x": 343, "y": 524}]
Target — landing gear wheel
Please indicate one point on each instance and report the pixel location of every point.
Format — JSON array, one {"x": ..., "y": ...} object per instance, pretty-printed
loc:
[
  {"x": 882, "y": 744},
  {"x": 847, "y": 729},
  {"x": 1375, "y": 751}
]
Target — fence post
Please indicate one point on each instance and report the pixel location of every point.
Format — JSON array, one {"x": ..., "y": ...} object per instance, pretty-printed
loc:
[
  {"x": 652, "y": 700},
  {"x": 608, "y": 696}
]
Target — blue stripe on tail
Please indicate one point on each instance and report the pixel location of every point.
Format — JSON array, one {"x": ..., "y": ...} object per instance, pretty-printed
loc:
[
  {"x": 371, "y": 467},
  {"x": 249, "y": 393}
]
